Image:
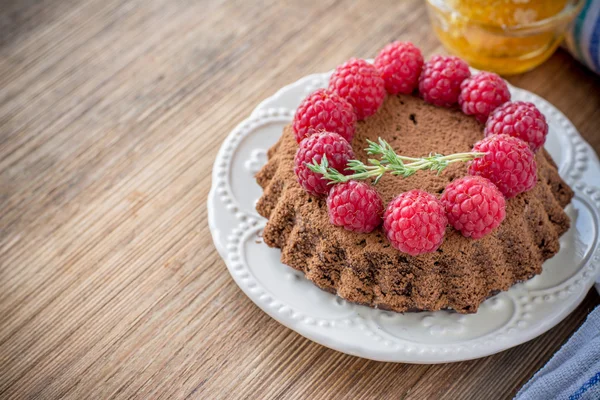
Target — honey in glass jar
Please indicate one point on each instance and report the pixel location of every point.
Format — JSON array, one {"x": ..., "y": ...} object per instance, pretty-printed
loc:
[{"x": 504, "y": 36}]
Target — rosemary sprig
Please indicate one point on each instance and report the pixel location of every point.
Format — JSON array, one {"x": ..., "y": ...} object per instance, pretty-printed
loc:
[{"x": 389, "y": 162}]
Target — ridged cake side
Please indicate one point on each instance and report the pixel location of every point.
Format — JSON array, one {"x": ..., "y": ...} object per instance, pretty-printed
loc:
[{"x": 365, "y": 269}]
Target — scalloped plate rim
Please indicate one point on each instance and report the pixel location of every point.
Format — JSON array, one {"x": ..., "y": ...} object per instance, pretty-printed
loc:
[{"x": 388, "y": 356}]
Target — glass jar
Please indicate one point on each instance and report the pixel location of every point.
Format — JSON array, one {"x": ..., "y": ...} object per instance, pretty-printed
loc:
[{"x": 504, "y": 36}]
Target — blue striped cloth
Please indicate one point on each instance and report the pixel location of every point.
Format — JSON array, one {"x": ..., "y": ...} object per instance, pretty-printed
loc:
[
  {"x": 583, "y": 39},
  {"x": 573, "y": 373}
]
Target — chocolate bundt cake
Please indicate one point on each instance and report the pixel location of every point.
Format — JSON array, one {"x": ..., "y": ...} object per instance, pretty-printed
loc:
[{"x": 365, "y": 268}]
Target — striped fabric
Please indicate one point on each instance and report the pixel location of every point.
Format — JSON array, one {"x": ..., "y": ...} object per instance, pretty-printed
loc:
[
  {"x": 583, "y": 40},
  {"x": 573, "y": 373},
  {"x": 585, "y": 388}
]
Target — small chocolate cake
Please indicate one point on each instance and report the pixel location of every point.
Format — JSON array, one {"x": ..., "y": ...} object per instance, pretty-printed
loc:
[{"x": 365, "y": 268}]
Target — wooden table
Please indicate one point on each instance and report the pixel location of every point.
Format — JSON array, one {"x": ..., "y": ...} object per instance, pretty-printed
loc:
[{"x": 111, "y": 113}]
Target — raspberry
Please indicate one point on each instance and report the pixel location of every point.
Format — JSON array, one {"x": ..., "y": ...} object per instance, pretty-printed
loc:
[
  {"x": 481, "y": 94},
  {"x": 324, "y": 111},
  {"x": 361, "y": 84},
  {"x": 415, "y": 222},
  {"x": 400, "y": 64},
  {"x": 355, "y": 205},
  {"x": 337, "y": 150},
  {"x": 509, "y": 163},
  {"x": 440, "y": 80},
  {"x": 519, "y": 119},
  {"x": 474, "y": 206}
]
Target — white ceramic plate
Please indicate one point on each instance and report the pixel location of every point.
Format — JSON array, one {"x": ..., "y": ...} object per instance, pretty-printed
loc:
[{"x": 503, "y": 321}]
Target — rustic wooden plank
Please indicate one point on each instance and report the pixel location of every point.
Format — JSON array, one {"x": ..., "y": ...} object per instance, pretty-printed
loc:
[{"x": 111, "y": 113}]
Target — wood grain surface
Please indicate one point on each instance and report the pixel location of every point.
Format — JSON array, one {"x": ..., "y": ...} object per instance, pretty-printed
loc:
[{"x": 111, "y": 113}]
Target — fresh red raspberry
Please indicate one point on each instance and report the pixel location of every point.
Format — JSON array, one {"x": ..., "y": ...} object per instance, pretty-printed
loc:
[
  {"x": 509, "y": 163},
  {"x": 338, "y": 152},
  {"x": 324, "y": 111},
  {"x": 361, "y": 84},
  {"x": 355, "y": 205},
  {"x": 400, "y": 64},
  {"x": 474, "y": 206},
  {"x": 415, "y": 222},
  {"x": 481, "y": 94},
  {"x": 519, "y": 119},
  {"x": 440, "y": 80}
]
